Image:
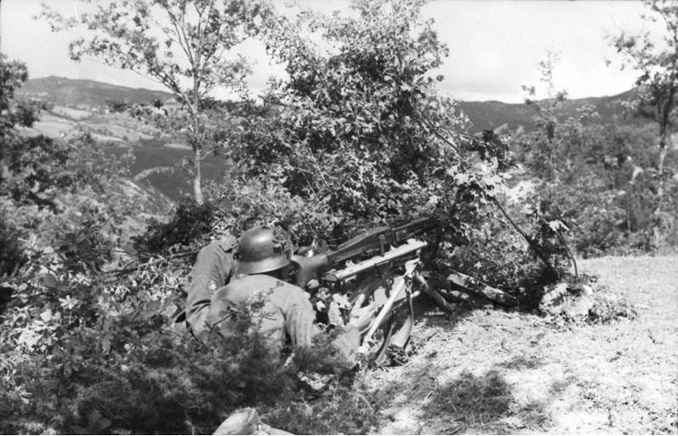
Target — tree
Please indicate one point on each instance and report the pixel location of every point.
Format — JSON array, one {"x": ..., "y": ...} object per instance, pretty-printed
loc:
[
  {"x": 544, "y": 143},
  {"x": 29, "y": 166},
  {"x": 181, "y": 44},
  {"x": 360, "y": 106},
  {"x": 657, "y": 61}
]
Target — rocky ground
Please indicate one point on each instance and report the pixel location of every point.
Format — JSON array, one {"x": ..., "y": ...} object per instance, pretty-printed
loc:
[{"x": 492, "y": 371}]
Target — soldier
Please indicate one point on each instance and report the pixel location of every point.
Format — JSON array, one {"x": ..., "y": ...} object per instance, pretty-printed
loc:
[
  {"x": 262, "y": 266},
  {"x": 212, "y": 270}
]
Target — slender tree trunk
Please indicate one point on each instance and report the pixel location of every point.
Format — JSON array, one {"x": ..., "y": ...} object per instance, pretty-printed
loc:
[
  {"x": 664, "y": 109},
  {"x": 197, "y": 176},
  {"x": 665, "y": 138},
  {"x": 197, "y": 137}
]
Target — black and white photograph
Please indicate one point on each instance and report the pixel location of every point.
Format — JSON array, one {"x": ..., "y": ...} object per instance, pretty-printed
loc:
[{"x": 338, "y": 217}]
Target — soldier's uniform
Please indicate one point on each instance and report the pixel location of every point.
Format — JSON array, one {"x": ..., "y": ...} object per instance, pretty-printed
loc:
[
  {"x": 213, "y": 269},
  {"x": 286, "y": 314}
]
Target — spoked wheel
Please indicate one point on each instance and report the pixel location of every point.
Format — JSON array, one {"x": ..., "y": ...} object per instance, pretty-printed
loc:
[
  {"x": 383, "y": 337},
  {"x": 392, "y": 338}
]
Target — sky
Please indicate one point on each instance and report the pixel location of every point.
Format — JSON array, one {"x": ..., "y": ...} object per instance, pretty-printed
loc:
[{"x": 495, "y": 46}]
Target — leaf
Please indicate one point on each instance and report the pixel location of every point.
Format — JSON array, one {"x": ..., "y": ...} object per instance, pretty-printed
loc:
[
  {"x": 106, "y": 345},
  {"x": 557, "y": 225},
  {"x": 46, "y": 316},
  {"x": 50, "y": 280},
  {"x": 93, "y": 418}
]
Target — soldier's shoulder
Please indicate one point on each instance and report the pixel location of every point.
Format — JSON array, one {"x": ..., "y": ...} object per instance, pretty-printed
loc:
[
  {"x": 227, "y": 243},
  {"x": 265, "y": 281}
]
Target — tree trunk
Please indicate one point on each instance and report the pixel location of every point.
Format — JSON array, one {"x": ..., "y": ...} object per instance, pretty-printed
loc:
[
  {"x": 662, "y": 155},
  {"x": 197, "y": 177},
  {"x": 664, "y": 109},
  {"x": 664, "y": 138}
]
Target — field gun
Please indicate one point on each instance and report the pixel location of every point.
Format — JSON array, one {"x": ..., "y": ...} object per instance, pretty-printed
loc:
[
  {"x": 372, "y": 244},
  {"x": 385, "y": 266}
]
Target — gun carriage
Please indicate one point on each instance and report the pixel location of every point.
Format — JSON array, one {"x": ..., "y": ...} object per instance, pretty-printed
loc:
[{"x": 384, "y": 266}]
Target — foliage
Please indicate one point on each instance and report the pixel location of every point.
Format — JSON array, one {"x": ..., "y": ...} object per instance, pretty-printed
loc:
[
  {"x": 250, "y": 201},
  {"x": 29, "y": 165},
  {"x": 361, "y": 108},
  {"x": 181, "y": 44},
  {"x": 500, "y": 256},
  {"x": 108, "y": 342},
  {"x": 656, "y": 60},
  {"x": 545, "y": 144},
  {"x": 598, "y": 177},
  {"x": 189, "y": 223},
  {"x": 109, "y": 349},
  {"x": 607, "y": 196},
  {"x": 43, "y": 182},
  {"x": 339, "y": 410},
  {"x": 609, "y": 308},
  {"x": 363, "y": 112},
  {"x": 88, "y": 342},
  {"x": 11, "y": 255}
]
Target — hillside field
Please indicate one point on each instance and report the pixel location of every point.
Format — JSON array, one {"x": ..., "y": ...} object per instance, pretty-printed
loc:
[{"x": 492, "y": 371}]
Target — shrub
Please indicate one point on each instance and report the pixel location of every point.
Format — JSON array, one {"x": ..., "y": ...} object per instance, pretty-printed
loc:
[
  {"x": 11, "y": 252},
  {"x": 84, "y": 357},
  {"x": 189, "y": 226}
]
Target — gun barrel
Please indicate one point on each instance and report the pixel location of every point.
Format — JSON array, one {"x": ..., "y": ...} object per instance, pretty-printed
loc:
[
  {"x": 380, "y": 239},
  {"x": 415, "y": 227},
  {"x": 352, "y": 270}
]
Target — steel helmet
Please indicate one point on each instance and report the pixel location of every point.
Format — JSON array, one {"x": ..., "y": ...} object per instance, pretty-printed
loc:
[{"x": 262, "y": 250}]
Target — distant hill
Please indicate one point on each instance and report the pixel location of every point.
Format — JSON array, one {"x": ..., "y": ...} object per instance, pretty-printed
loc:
[
  {"x": 491, "y": 114},
  {"x": 79, "y": 106},
  {"x": 87, "y": 93}
]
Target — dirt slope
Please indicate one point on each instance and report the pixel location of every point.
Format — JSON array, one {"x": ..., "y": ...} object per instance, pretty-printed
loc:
[{"x": 491, "y": 371}]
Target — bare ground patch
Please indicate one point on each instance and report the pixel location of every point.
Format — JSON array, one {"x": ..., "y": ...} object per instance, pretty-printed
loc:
[{"x": 491, "y": 371}]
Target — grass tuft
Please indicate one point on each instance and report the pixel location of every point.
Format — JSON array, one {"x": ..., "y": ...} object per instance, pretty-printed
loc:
[{"x": 474, "y": 400}]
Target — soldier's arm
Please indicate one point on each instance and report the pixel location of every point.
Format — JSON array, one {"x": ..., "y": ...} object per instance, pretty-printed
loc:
[
  {"x": 301, "y": 328},
  {"x": 299, "y": 317},
  {"x": 212, "y": 270},
  {"x": 347, "y": 342}
]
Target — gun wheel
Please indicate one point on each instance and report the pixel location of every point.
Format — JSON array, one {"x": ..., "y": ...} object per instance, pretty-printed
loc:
[
  {"x": 380, "y": 356},
  {"x": 392, "y": 339}
]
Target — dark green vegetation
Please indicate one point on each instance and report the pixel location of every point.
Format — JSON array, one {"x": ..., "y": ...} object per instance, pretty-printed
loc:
[{"x": 92, "y": 263}]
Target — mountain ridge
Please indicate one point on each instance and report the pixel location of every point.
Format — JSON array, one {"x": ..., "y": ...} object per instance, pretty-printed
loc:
[
  {"x": 485, "y": 115},
  {"x": 85, "y": 93},
  {"x": 491, "y": 114}
]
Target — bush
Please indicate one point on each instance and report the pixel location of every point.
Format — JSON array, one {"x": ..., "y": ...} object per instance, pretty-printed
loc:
[
  {"x": 86, "y": 357},
  {"x": 190, "y": 225},
  {"x": 498, "y": 255},
  {"x": 339, "y": 410},
  {"x": 11, "y": 252}
]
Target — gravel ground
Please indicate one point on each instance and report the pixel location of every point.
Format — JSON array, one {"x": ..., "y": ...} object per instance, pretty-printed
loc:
[{"x": 492, "y": 371}]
